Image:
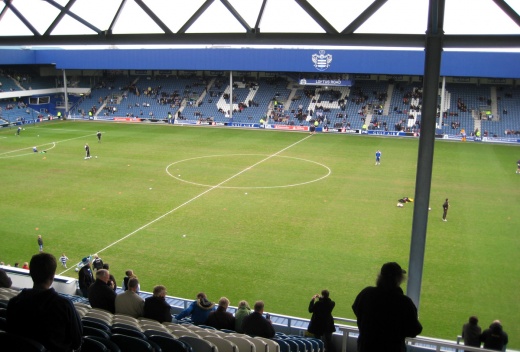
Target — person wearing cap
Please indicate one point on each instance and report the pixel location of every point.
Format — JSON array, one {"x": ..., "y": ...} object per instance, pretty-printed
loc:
[
  {"x": 198, "y": 310},
  {"x": 85, "y": 277},
  {"x": 385, "y": 316}
]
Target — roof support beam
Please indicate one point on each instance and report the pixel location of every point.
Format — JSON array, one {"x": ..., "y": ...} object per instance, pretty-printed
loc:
[
  {"x": 260, "y": 15},
  {"x": 116, "y": 17},
  {"x": 9, "y": 4},
  {"x": 508, "y": 10},
  {"x": 316, "y": 16},
  {"x": 195, "y": 16},
  {"x": 432, "y": 69},
  {"x": 365, "y": 15},
  {"x": 66, "y": 11},
  {"x": 237, "y": 15},
  {"x": 153, "y": 16}
]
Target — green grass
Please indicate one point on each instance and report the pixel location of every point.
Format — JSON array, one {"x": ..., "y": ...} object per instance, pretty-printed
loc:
[{"x": 280, "y": 231}]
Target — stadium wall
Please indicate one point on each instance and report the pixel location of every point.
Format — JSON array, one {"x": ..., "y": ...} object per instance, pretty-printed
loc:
[{"x": 390, "y": 62}]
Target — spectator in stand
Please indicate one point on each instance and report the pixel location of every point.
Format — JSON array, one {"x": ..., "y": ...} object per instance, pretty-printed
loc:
[
  {"x": 221, "y": 318},
  {"x": 43, "y": 315},
  {"x": 385, "y": 316},
  {"x": 322, "y": 323},
  {"x": 101, "y": 295},
  {"x": 495, "y": 338},
  {"x": 97, "y": 263},
  {"x": 255, "y": 324},
  {"x": 129, "y": 302},
  {"x": 471, "y": 332},
  {"x": 198, "y": 310},
  {"x": 85, "y": 277},
  {"x": 25, "y": 266},
  {"x": 112, "y": 280},
  {"x": 5, "y": 280},
  {"x": 156, "y": 307},
  {"x": 243, "y": 311},
  {"x": 129, "y": 274}
]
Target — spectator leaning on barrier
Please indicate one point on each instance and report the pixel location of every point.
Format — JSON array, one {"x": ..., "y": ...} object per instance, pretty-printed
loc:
[
  {"x": 471, "y": 332},
  {"x": 494, "y": 337}
]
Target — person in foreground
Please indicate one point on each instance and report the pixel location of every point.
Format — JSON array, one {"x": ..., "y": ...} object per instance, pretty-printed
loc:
[
  {"x": 385, "y": 316},
  {"x": 43, "y": 315},
  {"x": 256, "y": 325}
]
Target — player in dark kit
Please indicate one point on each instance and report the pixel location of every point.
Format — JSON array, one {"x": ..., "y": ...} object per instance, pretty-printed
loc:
[
  {"x": 98, "y": 134},
  {"x": 445, "y": 207},
  {"x": 87, "y": 151}
]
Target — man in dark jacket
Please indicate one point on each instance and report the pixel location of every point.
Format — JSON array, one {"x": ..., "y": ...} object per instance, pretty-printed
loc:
[
  {"x": 385, "y": 316},
  {"x": 43, "y": 315},
  {"x": 221, "y": 318},
  {"x": 256, "y": 325},
  {"x": 495, "y": 338},
  {"x": 85, "y": 277},
  {"x": 156, "y": 307},
  {"x": 100, "y": 294},
  {"x": 322, "y": 322}
]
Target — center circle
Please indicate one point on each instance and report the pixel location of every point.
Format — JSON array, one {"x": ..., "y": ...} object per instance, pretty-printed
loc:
[{"x": 247, "y": 171}]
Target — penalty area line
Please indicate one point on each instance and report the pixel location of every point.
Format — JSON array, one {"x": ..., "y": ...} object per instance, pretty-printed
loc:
[{"x": 192, "y": 199}]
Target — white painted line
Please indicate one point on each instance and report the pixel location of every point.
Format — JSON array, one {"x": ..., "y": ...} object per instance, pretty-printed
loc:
[
  {"x": 191, "y": 200},
  {"x": 249, "y": 187}
]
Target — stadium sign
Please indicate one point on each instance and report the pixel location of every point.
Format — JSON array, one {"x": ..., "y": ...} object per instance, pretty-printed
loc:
[{"x": 326, "y": 82}]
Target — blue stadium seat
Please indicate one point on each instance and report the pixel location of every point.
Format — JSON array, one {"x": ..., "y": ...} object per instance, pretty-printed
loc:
[
  {"x": 90, "y": 331},
  {"x": 169, "y": 344},
  {"x": 110, "y": 345},
  {"x": 91, "y": 345},
  {"x": 131, "y": 343}
]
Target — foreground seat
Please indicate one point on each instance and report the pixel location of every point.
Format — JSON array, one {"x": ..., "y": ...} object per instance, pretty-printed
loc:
[{"x": 10, "y": 342}]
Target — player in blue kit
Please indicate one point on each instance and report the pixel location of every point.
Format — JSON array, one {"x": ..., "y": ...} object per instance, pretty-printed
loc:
[{"x": 378, "y": 157}]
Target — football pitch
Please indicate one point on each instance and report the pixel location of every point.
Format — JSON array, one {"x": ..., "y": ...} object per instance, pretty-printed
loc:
[{"x": 258, "y": 214}]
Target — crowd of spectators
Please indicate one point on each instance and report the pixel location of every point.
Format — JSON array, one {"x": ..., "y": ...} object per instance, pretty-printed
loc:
[{"x": 384, "y": 314}]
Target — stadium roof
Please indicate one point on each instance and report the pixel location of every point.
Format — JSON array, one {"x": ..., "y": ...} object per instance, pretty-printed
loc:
[{"x": 387, "y": 23}]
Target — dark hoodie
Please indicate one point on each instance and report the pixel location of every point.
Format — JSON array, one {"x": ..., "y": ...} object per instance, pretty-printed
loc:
[
  {"x": 494, "y": 338},
  {"x": 46, "y": 317}
]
